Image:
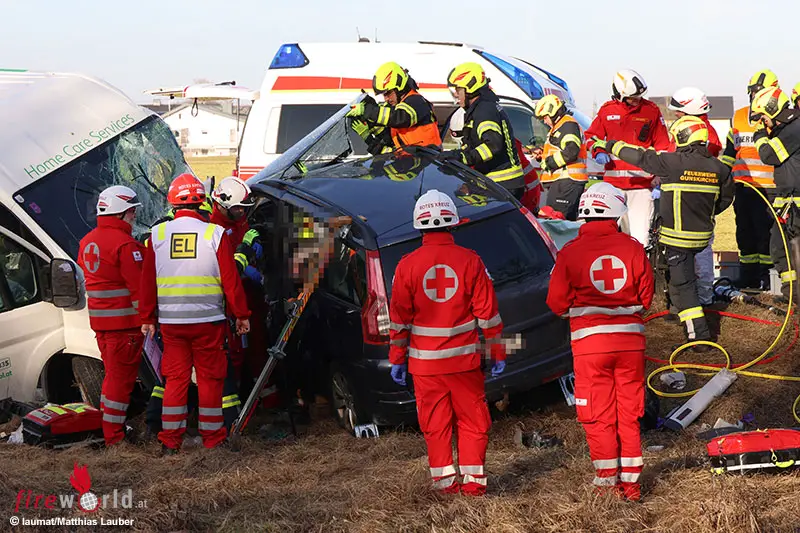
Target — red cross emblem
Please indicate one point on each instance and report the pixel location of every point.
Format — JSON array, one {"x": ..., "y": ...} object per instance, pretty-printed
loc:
[
  {"x": 608, "y": 274},
  {"x": 440, "y": 283},
  {"x": 91, "y": 257}
]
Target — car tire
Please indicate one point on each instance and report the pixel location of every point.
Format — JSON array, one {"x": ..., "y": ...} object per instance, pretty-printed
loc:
[
  {"x": 345, "y": 404},
  {"x": 89, "y": 374}
]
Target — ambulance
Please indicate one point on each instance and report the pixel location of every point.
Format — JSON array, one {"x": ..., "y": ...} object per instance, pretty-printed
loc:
[
  {"x": 65, "y": 138},
  {"x": 308, "y": 82}
]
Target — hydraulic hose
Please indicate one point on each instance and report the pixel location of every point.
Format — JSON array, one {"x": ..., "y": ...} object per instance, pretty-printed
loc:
[{"x": 742, "y": 368}]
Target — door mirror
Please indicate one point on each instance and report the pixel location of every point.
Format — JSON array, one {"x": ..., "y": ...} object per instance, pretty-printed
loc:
[{"x": 64, "y": 283}]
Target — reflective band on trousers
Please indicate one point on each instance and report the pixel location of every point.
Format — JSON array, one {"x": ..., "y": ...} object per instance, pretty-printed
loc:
[
  {"x": 789, "y": 275},
  {"x": 181, "y": 410},
  {"x": 158, "y": 392},
  {"x": 611, "y": 328},
  {"x": 231, "y": 401},
  {"x": 210, "y": 411},
  {"x": 115, "y": 293},
  {"x": 472, "y": 479},
  {"x": 631, "y": 461},
  {"x": 442, "y": 471},
  {"x": 445, "y": 482},
  {"x": 605, "y": 464},
  {"x": 629, "y": 477},
  {"x": 476, "y": 470},
  {"x": 605, "y": 481},
  {"x": 169, "y": 424},
  {"x": 125, "y": 311},
  {"x": 443, "y": 354},
  {"x": 113, "y": 419},
  {"x": 209, "y": 426},
  {"x": 611, "y": 311},
  {"x": 119, "y": 406},
  {"x": 692, "y": 313},
  {"x": 427, "y": 331}
]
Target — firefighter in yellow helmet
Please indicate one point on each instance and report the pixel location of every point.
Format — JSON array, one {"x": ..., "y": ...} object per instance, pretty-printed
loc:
[
  {"x": 777, "y": 139},
  {"x": 695, "y": 186},
  {"x": 407, "y": 114},
  {"x": 753, "y": 217},
  {"x": 795, "y": 94},
  {"x": 563, "y": 158},
  {"x": 487, "y": 137}
]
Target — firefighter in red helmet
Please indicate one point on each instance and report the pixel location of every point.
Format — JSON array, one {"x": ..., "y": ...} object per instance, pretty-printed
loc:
[
  {"x": 111, "y": 260},
  {"x": 441, "y": 295},
  {"x": 603, "y": 282},
  {"x": 188, "y": 278}
]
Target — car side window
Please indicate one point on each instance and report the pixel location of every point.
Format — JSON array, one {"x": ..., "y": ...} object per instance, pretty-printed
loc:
[
  {"x": 19, "y": 274},
  {"x": 345, "y": 274}
]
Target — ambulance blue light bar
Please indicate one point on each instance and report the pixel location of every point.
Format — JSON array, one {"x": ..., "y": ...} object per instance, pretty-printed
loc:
[
  {"x": 523, "y": 80},
  {"x": 289, "y": 56}
]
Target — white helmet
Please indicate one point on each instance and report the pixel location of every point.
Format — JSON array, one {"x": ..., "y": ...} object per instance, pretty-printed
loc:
[
  {"x": 115, "y": 200},
  {"x": 457, "y": 122},
  {"x": 691, "y": 101},
  {"x": 231, "y": 192},
  {"x": 628, "y": 83},
  {"x": 602, "y": 200},
  {"x": 435, "y": 209}
]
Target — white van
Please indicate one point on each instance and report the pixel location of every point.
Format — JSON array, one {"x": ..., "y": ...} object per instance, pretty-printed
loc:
[
  {"x": 65, "y": 137},
  {"x": 307, "y": 83}
]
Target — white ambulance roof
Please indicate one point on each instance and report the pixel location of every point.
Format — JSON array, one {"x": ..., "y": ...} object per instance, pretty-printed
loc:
[
  {"x": 50, "y": 119},
  {"x": 349, "y": 67}
]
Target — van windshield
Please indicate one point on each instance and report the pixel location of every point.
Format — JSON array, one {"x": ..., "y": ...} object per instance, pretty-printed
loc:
[{"x": 145, "y": 158}]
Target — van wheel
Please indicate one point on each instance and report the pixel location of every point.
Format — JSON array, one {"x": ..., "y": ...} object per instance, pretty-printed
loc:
[
  {"x": 89, "y": 375},
  {"x": 346, "y": 409}
]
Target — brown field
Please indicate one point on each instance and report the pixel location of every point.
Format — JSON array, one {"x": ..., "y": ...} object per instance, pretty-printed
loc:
[{"x": 328, "y": 481}]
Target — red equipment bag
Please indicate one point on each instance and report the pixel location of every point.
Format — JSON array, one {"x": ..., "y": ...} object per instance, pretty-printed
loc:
[
  {"x": 59, "y": 426},
  {"x": 755, "y": 450}
]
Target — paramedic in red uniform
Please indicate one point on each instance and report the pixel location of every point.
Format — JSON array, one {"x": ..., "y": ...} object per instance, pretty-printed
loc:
[
  {"x": 441, "y": 295},
  {"x": 188, "y": 278},
  {"x": 630, "y": 118},
  {"x": 111, "y": 260},
  {"x": 603, "y": 281}
]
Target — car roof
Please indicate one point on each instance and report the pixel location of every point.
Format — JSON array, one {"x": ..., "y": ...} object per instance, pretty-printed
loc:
[{"x": 365, "y": 188}]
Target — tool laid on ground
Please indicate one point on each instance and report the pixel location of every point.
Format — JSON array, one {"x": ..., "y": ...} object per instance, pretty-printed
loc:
[
  {"x": 755, "y": 450},
  {"x": 684, "y": 415},
  {"x": 725, "y": 291},
  {"x": 62, "y": 426}
]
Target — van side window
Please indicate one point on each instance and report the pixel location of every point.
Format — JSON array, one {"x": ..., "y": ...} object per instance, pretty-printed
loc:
[
  {"x": 346, "y": 273},
  {"x": 19, "y": 276}
]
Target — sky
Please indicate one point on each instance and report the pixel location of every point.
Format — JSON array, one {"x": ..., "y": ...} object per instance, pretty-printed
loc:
[{"x": 715, "y": 45}]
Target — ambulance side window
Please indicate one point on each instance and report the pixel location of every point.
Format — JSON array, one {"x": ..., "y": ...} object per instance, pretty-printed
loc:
[{"x": 20, "y": 271}]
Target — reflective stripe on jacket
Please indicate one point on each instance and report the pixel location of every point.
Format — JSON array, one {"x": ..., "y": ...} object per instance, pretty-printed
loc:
[
  {"x": 423, "y": 129},
  {"x": 189, "y": 286},
  {"x": 742, "y": 155},
  {"x": 563, "y": 141}
]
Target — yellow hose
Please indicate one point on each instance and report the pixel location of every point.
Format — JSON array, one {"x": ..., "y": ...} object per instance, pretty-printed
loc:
[{"x": 742, "y": 369}]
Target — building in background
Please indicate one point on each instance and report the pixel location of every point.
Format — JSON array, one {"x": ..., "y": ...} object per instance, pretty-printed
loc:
[
  {"x": 207, "y": 129},
  {"x": 722, "y": 109}
]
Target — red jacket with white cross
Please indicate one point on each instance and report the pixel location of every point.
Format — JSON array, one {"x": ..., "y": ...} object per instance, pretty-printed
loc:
[
  {"x": 603, "y": 282},
  {"x": 441, "y": 294}
]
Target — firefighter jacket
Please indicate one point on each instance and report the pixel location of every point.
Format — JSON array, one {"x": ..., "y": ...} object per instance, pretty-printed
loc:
[
  {"x": 189, "y": 273},
  {"x": 488, "y": 141},
  {"x": 563, "y": 154},
  {"x": 714, "y": 146},
  {"x": 111, "y": 260},
  {"x": 441, "y": 294},
  {"x": 641, "y": 125},
  {"x": 411, "y": 122},
  {"x": 741, "y": 153},
  {"x": 603, "y": 282},
  {"x": 781, "y": 149},
  {"x": 694, "y": 188}
]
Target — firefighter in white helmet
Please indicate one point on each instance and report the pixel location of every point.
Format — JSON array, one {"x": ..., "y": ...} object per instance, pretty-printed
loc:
[
  {"x": 441, "y": 295},
  {"x": 603, "y": 281}
]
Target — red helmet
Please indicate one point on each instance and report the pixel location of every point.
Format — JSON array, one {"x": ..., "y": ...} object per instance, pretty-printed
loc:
[{"x": 186, "y": 190}]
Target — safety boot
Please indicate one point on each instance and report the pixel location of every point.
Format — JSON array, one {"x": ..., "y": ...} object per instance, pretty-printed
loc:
[{"x": 167, "y": 451}]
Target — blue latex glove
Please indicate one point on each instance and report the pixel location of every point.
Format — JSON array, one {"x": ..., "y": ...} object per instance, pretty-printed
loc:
[
  {"x": 498, "y": 368},
  {"x": 655, "y": 194},
  {"x": 602, "y": 158},
  {"x": 399, "y": 374},
  {"x": 258, "y": 249},
  {"x": 253, "y": 273}
]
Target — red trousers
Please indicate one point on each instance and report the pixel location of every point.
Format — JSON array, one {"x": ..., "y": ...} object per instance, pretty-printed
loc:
[
  {"x": 121, "y": 351},
  {"x": 446, "y": 399},
  {"x": 609, "y": 398},
  {"x": 200, "y": 346}
]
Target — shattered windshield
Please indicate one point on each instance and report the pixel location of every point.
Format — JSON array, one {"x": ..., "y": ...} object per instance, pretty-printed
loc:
[
  {"x": 337, "y": 144},
  {"x": 145, "y": 158}
]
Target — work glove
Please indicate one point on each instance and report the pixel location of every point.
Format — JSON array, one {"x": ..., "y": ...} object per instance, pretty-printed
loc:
[
  {"x": 253, "y": 274},
  {"x": 356, "y": 110},
  {"x": 498, "y": 368},
  {"x": 602, "y": 158},
  {"x": 258, "y": 249},
  {"x": 399, "y": 373},
  {"x": 655, "y": 194},
  {"x": 544, "y": 166},
  {"x": 361, "y": 128},
  {"x": 592, "y": 180},
  {"x": 452, "y": 155}
]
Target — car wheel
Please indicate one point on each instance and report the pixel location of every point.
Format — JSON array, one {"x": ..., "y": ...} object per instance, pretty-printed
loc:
[
  {"x": 89, "y": 375},
  {"x": 344, "y": 403}
]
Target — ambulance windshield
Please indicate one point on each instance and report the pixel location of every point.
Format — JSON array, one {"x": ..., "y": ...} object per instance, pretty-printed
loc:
[{"x": 145, "y": 158}]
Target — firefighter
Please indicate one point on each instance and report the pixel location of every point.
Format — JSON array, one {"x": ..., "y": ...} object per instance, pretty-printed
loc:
[
  {"x": 441, "y": 294},
  {"x": 488, "y": 138},
  {"x": 563, "y": 159},
  {"x": 777, "y": 139},
  {"x": 630, "y": 118},
  {"x": 693, "y": 101},
  {"x": 188, "y": 278},
  {"x": 408, "y": 115},
  {"x": 695, "y": 187},
  {"x": 603, "y": 281},
  {"x": 796, "y": 95},
  {"x": 753, "y": 217},
  {"x": 112, "y": 262}
]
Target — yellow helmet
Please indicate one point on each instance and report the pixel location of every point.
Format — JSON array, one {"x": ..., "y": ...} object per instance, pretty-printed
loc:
[
  {"x": 389, "y": 77},
  {"x": 769, "y": 101},
  {"x": 795, "y": 93},
  {"x": 761, "y": 79},
  {"x": 468, "y": 76},
  {"x": 548, "y": 106},
  {"x": 688, "y": 130}
]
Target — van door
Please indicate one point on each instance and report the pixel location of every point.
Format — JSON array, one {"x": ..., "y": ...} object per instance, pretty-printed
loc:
[{"x": 32, "y": 329}]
